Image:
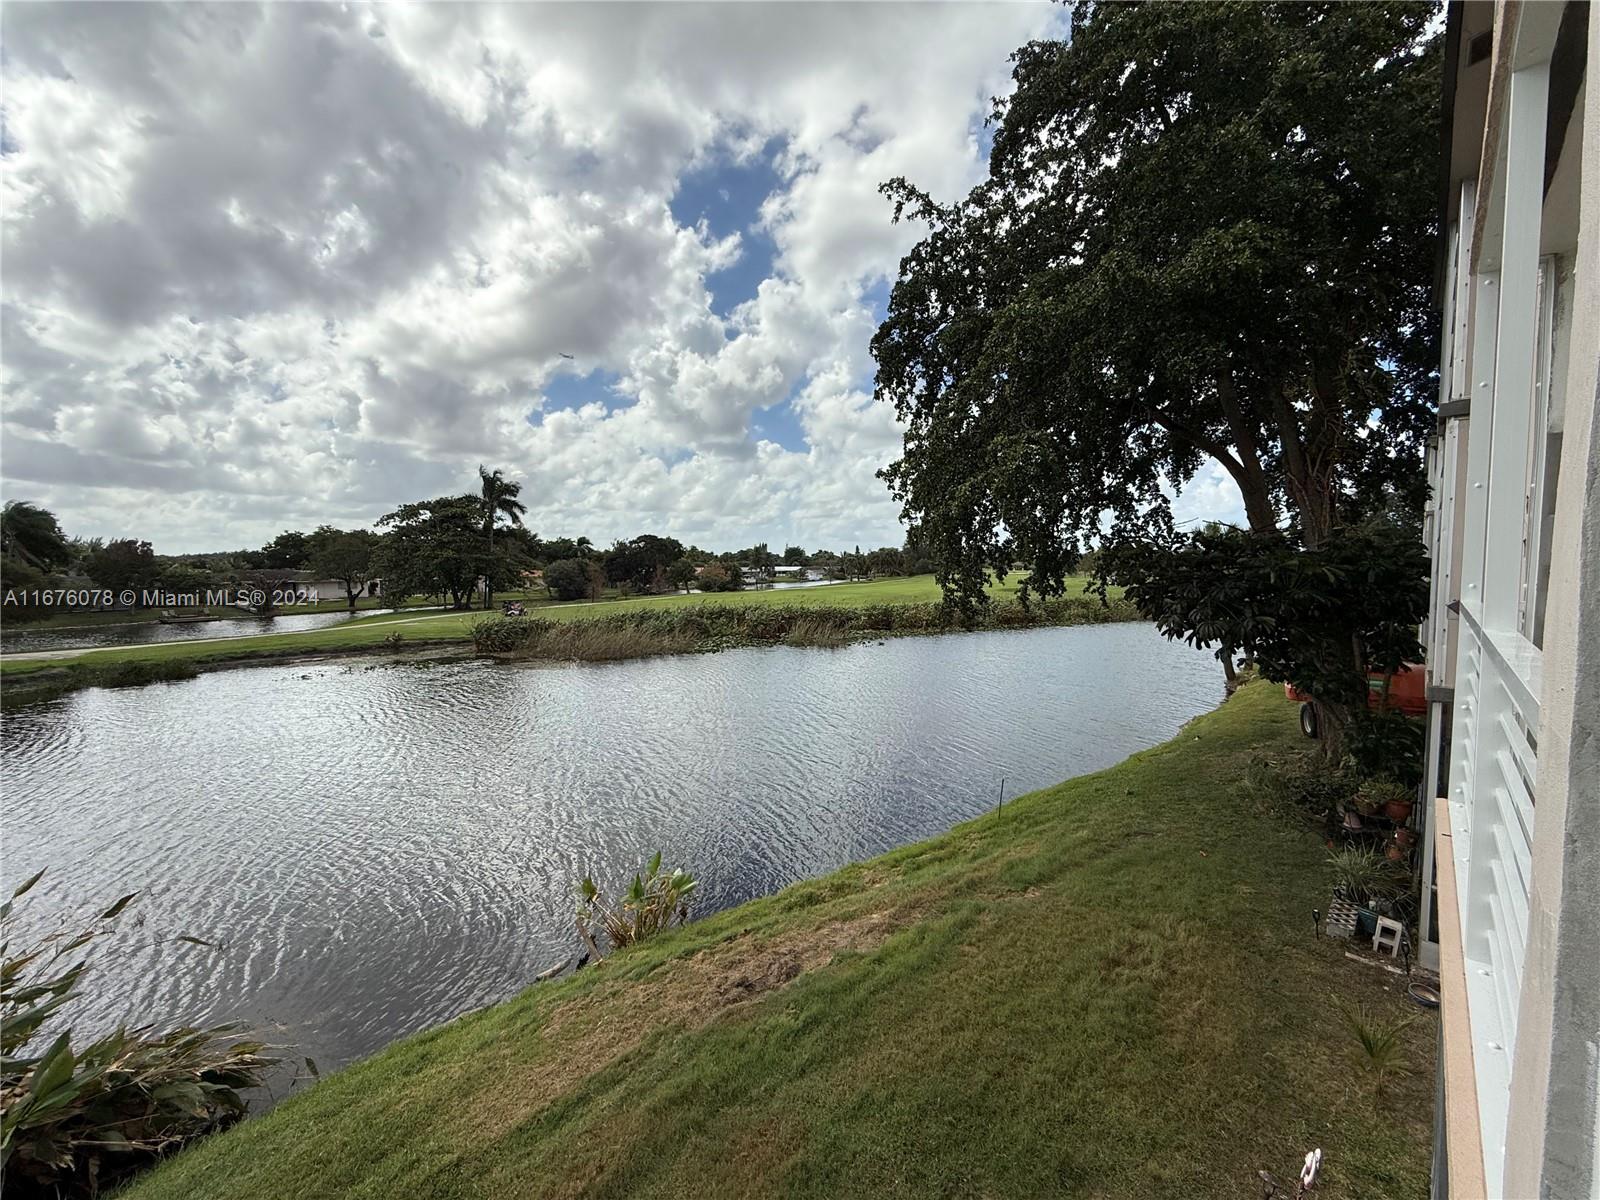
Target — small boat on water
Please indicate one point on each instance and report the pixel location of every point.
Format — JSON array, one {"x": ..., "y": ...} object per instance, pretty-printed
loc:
[{"x": 167, "y": 617}]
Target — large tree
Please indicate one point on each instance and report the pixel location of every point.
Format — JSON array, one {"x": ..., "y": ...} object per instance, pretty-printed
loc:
[
  {"x": 346, "y": 556},
  {"x": 433, "y": 547},
  {"x": 286, "y": 552},
  {"x": 1206, "y": 234},
  {"x": 640, "y": 560},
  {"x": 31, "y": 536},
  {"x": 123, "y": 564}
]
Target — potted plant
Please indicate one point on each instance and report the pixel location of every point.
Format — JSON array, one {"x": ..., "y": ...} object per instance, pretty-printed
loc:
[
  {"x": 1367, "y": 879},
  {"x": 1400, "y": 843},
  {"x": 1388, "y": 796}
]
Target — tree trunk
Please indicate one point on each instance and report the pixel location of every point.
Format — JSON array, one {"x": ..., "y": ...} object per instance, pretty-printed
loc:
[
  {"x": 1250, "y": 475},
  {"x": 488, "y": 568},
  {"x": 1332, "y": 721}
]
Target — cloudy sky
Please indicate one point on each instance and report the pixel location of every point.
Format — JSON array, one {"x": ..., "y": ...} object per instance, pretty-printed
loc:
[{"x": 274, "y": 267}]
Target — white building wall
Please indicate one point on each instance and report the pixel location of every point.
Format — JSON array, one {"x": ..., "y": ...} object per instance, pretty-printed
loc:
[
  {"x": 1520, "y": 836},
  {"x": 1553, "y": 1144}
]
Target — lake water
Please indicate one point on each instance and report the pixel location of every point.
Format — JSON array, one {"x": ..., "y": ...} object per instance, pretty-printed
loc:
[
  {"x": 377, "y": 847},
  {"x": 20, "y": 639}
]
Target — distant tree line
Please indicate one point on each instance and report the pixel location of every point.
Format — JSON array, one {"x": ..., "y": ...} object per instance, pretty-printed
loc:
[{"x": 460, "y": 550}]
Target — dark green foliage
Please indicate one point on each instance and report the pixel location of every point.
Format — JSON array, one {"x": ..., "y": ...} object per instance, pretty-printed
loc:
[
  {"x": 680, "y": 574},
  {"x": 1319, "y": 618},
  {"x": 286, "y": 552},
  {"x": 434, "y": 548},
  {"x": 1301, "y": 781},
  {"x": 30, "y": 536},
  {"x": 498, "y": 496},
  {"x": 1207, "y": 233},
  {"x": 639, "y": 561},
  {"x": 567, "y": 579},
  {"x": 1387, "y": 743},
  {"x": 345, "y": 556},
  {"x": 81, "y": 1114},
  {"x": 1365, "y": 877},
  {"x": 124, "y": 563},
  {"x": 720, "y": 577}
]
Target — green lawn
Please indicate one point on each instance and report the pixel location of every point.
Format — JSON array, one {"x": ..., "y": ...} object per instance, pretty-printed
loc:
[
  {"x": 1109, "y": 989},
  {"x": 367, "y": 632}
]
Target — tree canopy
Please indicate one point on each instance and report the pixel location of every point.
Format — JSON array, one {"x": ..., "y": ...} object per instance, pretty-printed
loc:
[
  {"x": 434, "y": 547},
  {"x": 346, "y": 556},
  {"x": 1206, "y": 234},
  {"x": 31, "y": 535}
]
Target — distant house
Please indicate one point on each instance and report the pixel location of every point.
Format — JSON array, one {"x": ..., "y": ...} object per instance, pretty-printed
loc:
[{"x": 315, "y": 591}]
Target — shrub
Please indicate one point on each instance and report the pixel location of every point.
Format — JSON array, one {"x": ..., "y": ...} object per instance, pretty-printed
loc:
[
  {"x": 501, "y": 635},
  {"x": 1386, "y": 743},
  {"x": 718, "y": 577},
  {"x": 137, "y": 674},
  {"x": 652, "y": 903},
  {"x": 821, "y": 634},
  {"x": 1302, "y": 780},
  {"x": 78, "y": 1118},
  {"x": 567, "y": 579}
]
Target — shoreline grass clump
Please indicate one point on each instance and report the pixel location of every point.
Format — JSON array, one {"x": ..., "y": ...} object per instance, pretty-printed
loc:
[{"x": 710, "y": 625}]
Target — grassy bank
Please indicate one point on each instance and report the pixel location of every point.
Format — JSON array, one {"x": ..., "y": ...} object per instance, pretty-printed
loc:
[
  {"x": 1110, "y": 989},
  {"x": 406, "y": 631}
]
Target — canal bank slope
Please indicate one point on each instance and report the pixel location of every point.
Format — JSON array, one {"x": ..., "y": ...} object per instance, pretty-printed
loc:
[{"x": 1109, "y": 988}]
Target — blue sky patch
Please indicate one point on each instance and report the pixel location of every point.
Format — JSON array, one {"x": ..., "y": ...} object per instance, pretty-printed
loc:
[
  {"x": 570, "y": 390},
  {"x": 727, "y": 194}
]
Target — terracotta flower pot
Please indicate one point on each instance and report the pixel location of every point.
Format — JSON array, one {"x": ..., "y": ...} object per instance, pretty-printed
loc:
[{"x": 1397, "y": 810}]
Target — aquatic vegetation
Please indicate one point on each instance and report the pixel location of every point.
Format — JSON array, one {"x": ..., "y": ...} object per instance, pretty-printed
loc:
[
  {"x": 653, "y": 902},
  {"x": 80, "y": 1116}
]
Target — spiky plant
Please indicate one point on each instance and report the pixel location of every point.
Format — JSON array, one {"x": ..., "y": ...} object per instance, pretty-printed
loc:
[
  {"x": 1379, "y": 1053},
  {"x": 1365, "y": 875}
]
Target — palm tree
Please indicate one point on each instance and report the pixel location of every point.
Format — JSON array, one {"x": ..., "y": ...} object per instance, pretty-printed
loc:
[
  {"x": 499, "y": 500},
  {"x": 585, "y": 547}
]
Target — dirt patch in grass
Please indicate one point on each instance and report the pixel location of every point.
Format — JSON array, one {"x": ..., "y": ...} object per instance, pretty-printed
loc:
[{"x": 588, "y": 1033}]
